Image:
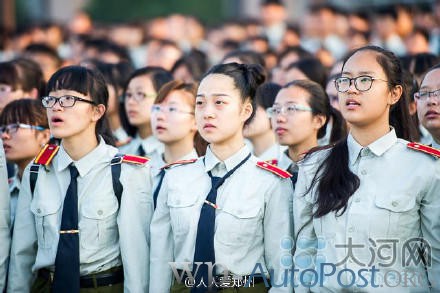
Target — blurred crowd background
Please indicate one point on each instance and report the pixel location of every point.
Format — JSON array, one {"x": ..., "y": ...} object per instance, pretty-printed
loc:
[{"x": 291, "y": 39}]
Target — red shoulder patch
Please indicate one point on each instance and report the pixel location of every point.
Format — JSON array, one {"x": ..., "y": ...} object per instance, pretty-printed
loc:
[
  {"x": 424, "y": 148},
  {"x": 181, "y": 162},
  {"x": 132, "y": 159},
  {"x": 274, "y": 169},
  {"x": 272, "y": 162},
  {"x": 46, "y": 154}
]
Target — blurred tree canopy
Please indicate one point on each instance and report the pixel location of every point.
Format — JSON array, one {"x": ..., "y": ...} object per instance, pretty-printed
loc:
[{"x": 208, "y": 11}]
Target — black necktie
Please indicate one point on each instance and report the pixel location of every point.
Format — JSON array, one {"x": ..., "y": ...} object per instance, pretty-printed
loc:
[
  {"x": 204, "y": 250},
  {"x": 66, "y": 278},
  {"x": 294, "y": 173},
  {"x": 141, "y": 152},
  {"x": 156, "y": 191}
]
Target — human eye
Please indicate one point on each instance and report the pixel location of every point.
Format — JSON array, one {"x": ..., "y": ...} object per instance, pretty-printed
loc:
[
  {"x": 436, "y": 93},
  {"x": 219, "y": 102},
  {"x": 68, "y": 98},
  {"x": 423, "y": 95},
  {"x": 291, "y": 109},
  {"x": 342, "y": 80},
  {"x": 199, "y": 102},
  {"x": 173, "y": 109},
  {"x": 364, "y": 79},
  {"x": 141, "y": 95}
]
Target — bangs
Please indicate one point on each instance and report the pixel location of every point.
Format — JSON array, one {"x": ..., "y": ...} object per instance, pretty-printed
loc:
[
  {"x": 74, "y": 78},
  {"x": 25, "y": 111}
]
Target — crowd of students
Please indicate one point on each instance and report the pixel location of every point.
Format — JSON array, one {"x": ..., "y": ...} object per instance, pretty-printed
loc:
[{"x": 199, "y": 158}]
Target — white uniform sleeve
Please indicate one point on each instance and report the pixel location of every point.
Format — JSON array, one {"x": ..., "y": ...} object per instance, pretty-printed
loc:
[
  {"x": 24, "y": 242},
  {"x": 162, "y": 248},
  {"x": 5, "y": 219},
  {"x": 134, "y": 220}
]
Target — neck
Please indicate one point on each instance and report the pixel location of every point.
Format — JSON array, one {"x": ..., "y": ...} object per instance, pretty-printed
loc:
[
  {"x": 21, "y": 165},
  {"x": 176, "y": 150},
  {"x": 436, "y": 137},
  {"x": 145, "y": 131},
  {"x": 369, "y": 133},
  {"x": 78, "y": 147},
  {"x": 296, "y": 152},
  {"x": 114, "y": 121},
  {"x": 263, "y": 142},
  {"x": 225, "y": 150}
]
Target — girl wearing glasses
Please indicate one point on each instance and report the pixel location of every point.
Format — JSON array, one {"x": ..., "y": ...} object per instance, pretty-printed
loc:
[
  {"x": 428, "y": 104},
  {"x": 225, "y": 208},
  {"x": 139, "y": 96},
  {"x": 300, "y": 115},
  {"x": 363, "y": 205},
  {"x": 75, "y": 223},
  {"x": 174, "y": 125},
  {"x": 24, "y": 130}
]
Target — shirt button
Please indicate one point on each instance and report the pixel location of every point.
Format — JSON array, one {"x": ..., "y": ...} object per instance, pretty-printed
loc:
[
  {"x": 357, "y": 200},
  {"x": 364, "y": 172},
  {"x": 395, "y": 203},
  {"x": 100, "y": 212},
  {"x": 351, "y": 229}
]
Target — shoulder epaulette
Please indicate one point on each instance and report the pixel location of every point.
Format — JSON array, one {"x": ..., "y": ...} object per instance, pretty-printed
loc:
[
  {"x": 272, "y": 162},
  {"x": 132, "y": 159},
  {"x": 46, "y": 154},
  {"x": 181, "y": 162},
  {"x": 274, "y": 169},
  {"x": 424, "y": 148}
]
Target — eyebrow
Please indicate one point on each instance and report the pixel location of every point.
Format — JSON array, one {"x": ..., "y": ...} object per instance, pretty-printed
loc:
[
  {"x": 360, "y": 73},
  {"x": 215, "y": 95}
]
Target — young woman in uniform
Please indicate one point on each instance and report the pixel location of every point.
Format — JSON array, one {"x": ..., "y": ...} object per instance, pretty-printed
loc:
[
  {"x": 174, "y": 125},
  {"x": 24, "y": 130},
  {"x": 364, "y": 204},
  {"x": 226, "y": 208},
  {"x": 81, "y": 205}
]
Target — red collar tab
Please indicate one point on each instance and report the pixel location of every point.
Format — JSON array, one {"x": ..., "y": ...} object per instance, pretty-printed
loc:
[
  {"x": 181, "y": 162},
  {"x": 132, "y": 159},
  {"x": 274, "y": 169},
  {"x": 272, "y": 162},
  {"x": 424, "y": 148},
  {"x": 46, "y": 154}
]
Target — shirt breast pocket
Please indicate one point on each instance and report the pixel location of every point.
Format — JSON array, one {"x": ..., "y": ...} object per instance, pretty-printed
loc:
[
  {"x": 182, "y": 211},
  {"x": 239, "y": 225},
  {"x": 46, "y": 214},
  {"x": 98, "y": 227},
  {"x": 397, "y": 213}
]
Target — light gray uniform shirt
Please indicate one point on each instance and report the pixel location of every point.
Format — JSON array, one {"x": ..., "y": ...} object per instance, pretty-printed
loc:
[
  {"x": 109, "y": 235},
  {"x": 398, "y": 199},
  {"x": 252, "y": 218}
]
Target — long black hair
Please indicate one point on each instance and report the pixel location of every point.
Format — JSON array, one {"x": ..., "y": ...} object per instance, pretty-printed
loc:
[
  {"x": 336, "y": 183},
  {"x": 89, "y": 83}
]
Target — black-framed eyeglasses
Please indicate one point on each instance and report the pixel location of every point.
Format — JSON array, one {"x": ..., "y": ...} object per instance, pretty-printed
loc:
[
  {"x": 423, "y": 96},
  {"x": 13, "y": 128},
  {"x": 66, "y": 101},
  {"x": 362, "y": 83}
]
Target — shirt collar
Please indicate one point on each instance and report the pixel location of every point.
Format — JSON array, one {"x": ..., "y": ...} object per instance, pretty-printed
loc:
[
  {"x": 378, "y": 147},
  {"x": 161, "y": 162},
  {"x": 211, "y": 160},
  {"x": 83, "y": 165},
  {"x": 435, "y": 144},
  {"x": 285, "y": 161}
]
